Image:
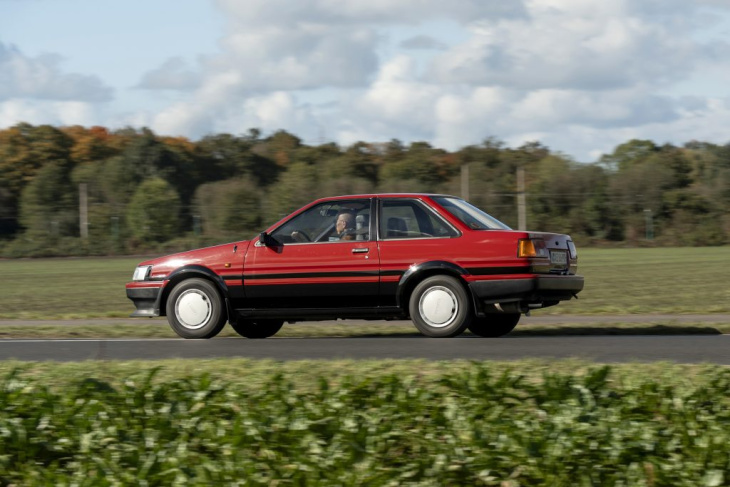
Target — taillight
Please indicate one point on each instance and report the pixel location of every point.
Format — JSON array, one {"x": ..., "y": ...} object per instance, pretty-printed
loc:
[
  {"x": 573, "y": 250},
  {"x": 531, "y": 247}
]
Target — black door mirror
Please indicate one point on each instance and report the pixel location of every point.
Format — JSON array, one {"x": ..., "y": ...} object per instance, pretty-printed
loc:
[
  {"x": 264, "y": 238},
  {"x": 267, "y": 240}
]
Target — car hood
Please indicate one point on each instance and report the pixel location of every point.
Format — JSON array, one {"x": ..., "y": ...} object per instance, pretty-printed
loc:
[{"x": 210, "y": 257}]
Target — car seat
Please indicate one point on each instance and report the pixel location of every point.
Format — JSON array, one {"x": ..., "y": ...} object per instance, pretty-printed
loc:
[
  {"x": 362, "y": 227},
  {"x": 397, "y": 227}
]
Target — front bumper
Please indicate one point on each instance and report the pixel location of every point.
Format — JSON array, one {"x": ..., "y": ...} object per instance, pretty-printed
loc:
[
  {"x": 146, "y": 300},
  {"x": 533, "y": 289}
]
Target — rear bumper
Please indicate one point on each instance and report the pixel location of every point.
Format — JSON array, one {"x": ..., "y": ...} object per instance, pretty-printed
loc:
[
  {"x": 533, "y": 289},
  {"x": 146, "y": 300}
]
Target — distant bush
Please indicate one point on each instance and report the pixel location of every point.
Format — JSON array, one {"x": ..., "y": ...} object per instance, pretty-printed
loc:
[
  {"x": 153, "y": 213},
  {"x": 470, "y": 428}
]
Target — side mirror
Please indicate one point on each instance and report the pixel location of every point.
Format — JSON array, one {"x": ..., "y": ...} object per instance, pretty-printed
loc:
[
  {"x": 264, "y": 239},
  {"x": 267, "y": 240}
]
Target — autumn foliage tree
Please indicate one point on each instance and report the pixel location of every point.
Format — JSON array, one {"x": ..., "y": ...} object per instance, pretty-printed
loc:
[{"x": 146, "y": 190}]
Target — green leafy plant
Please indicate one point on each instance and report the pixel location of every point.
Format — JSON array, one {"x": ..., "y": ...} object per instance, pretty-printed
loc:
[{"x": 469, "y": 427}]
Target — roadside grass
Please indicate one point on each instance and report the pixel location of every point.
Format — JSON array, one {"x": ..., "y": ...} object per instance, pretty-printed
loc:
[
  {"x": 662, "y": 280},
  {"x": 618, "y": 281},
  {"x": 160, "y": 329},
  {"x": 305, "y": 375},
  {"x": 389, "y": 422}
]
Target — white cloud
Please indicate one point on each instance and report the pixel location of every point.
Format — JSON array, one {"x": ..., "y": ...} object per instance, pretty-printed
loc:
[
  {"x": 286, "y": 12},
  {"x": 55, "y": 113},
  {"x": 282, "y": 46},
  {"x": 174, "y": 74},
  {"x": 579, "y": 44},
  {"x": 41, "y": 78},
  {"x": 422, "y": 42}
]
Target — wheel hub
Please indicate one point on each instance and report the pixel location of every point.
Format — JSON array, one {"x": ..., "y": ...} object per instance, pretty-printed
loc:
[
  {"x": 438, "y": 306},
  {"x": 193, "y": 309}
]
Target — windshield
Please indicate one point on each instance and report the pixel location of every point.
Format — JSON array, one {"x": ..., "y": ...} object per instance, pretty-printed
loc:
[{"x": 469, "y": 214}]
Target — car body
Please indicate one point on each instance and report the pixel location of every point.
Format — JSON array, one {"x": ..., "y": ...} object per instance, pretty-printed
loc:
[{"x": 435, "y": 259}]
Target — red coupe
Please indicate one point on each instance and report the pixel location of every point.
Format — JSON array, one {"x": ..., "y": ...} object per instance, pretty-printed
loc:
[{"x": 436, "y": 259}]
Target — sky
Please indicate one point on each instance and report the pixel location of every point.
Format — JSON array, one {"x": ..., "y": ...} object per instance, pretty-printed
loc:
[{"x": 579, "y": 76}]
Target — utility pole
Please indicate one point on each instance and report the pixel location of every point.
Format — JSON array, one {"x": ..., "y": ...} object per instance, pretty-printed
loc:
[
  {"x": 649, "y": 218},
  {"x": 465, "y": 181},
  {"x": 83, "y": 211},
  {"x": 521, "y": 205}
]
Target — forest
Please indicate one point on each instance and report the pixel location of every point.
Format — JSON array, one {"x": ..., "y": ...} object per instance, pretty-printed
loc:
[{"x": 142, "y": 192}]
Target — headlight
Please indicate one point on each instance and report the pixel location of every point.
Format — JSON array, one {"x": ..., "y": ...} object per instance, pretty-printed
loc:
[{"x": 141, "y": 273}]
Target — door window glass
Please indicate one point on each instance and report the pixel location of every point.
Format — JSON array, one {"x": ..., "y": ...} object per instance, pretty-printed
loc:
[{"x": 333, "y": 221}]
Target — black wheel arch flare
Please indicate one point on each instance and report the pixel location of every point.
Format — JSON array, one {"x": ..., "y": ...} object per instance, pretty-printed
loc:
[
  {"x": 418, "y": 272},
  {"x": 187, "y": 272}
]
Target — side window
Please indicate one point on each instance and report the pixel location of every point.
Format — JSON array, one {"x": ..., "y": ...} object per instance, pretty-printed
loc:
[
  {"x": 407, "y": 218},
  {"x": 333, "y": 221}
]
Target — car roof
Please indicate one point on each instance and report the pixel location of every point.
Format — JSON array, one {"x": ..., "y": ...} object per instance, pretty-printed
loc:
[{"x": 385, "y": 195}]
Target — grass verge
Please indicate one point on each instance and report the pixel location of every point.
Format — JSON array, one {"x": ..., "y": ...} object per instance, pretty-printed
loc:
[{"x": 236, "y": 422}]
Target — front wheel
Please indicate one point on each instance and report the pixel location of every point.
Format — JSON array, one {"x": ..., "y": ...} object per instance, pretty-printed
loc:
[
  {"x": 440, "y": 307},
  {"x": 494, "y": 325},
  {"x": 195, "y": 309},
  {"x": 257, "y": 328}
]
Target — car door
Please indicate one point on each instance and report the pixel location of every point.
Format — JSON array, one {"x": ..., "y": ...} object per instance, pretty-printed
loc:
[{"x": 309, "y": 266}]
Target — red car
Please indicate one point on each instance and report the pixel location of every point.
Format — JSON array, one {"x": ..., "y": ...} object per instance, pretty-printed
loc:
[{"x": 435, "y": 259}]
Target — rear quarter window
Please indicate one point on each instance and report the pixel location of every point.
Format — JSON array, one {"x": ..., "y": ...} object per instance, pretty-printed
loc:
[{"x": 406, "y": 218}]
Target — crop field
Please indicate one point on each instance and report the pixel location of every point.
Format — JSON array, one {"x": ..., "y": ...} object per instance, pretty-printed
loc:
[
  {"x": 618, "y": 281},
  {"x": 240, "y": 422}
]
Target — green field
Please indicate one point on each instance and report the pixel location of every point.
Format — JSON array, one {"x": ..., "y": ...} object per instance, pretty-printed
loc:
[
  {"x": 618, "y": 281},
  {"x": 242, "y": 422}
]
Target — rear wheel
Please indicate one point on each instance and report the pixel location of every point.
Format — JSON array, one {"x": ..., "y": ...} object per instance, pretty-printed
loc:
[
  {"x": 257, "y": 328},
  {"x": 440, "y": 307},
  {"x": 195, "y": 309},
  {"x": 494, "y": 325}
]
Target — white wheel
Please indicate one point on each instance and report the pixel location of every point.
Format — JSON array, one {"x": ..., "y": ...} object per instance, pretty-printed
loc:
[
  {"x": 193, "y": 309},
  {"x": 438, "y": 306}
]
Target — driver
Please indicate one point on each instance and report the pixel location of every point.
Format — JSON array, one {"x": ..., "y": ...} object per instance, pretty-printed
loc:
[{"x": 344, "y": 226}]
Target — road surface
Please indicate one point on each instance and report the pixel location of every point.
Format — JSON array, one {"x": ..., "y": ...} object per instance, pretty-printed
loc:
[{"x": 607, "y": 349}]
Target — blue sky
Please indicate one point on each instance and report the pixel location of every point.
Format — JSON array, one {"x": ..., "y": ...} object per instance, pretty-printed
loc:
[{"x": 580, "y": 76}]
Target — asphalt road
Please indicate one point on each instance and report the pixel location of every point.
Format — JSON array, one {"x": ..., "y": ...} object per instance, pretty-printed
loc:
[{"x": 680, "y": 349}]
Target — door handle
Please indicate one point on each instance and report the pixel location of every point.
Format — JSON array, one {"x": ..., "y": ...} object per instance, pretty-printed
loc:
[{"x": 361, "y": 250}]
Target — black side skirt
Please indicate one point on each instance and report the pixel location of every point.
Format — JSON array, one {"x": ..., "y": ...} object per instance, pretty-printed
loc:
[{"x": 315, "y": 314}]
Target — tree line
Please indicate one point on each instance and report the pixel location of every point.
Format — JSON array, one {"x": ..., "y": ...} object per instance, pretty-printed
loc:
[{"x": 147, "y": 192}]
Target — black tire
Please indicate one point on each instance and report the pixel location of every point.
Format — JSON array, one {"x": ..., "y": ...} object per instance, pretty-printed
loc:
[
  {"x": 195, "y": 309},
  {"x": 494, "y": 325},
  {"x": 257, "y": 328},
  {"x": 440, "y": 307}
]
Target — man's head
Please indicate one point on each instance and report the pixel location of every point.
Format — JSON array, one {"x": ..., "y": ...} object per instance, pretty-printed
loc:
[{"x": 345, "y": 220}]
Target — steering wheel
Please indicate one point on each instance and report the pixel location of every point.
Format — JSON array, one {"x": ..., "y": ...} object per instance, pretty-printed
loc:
[{"x": 300, "y": 236}]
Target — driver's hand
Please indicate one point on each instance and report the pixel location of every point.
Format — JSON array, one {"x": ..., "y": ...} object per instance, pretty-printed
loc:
[{"x": 297, "y": 236}]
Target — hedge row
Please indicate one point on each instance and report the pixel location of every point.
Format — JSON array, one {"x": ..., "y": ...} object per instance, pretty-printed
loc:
[{"x": 469, "y": 427}]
